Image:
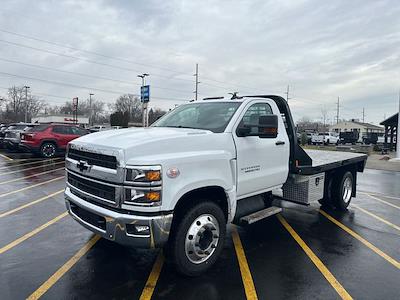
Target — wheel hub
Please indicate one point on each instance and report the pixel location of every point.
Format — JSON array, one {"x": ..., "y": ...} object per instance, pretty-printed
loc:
[
  {"x": 202, "y": 238},
  {"x": 347, "y": 189}
]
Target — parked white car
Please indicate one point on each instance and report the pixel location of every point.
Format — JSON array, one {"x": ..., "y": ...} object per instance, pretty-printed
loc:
[{"x": 325, "y": 138}]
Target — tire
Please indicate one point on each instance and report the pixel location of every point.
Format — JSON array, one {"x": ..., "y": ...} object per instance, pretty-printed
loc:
[
  {"x": 197, "y": 239},
  {"x": 342, "y": 189},
  {"x": 48, "y": 150}
]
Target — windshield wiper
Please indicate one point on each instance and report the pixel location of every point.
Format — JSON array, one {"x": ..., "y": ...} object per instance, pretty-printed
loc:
[{"x": 180, "y": 126}]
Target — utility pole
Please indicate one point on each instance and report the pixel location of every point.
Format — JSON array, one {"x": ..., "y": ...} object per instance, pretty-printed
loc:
[
  {"x": 337, "y": 111},
  {"x": 26, "y": 103},
  {"x": 197, "y": 82},
  {"x": 363, "y": 115},
  {"x": 90, "y": 110},
  {"x": 144, "y": 105},
  {"x": 287, "y": 94}
]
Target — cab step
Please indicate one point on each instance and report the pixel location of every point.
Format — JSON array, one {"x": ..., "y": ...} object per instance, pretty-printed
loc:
[{"x": 259, "y": 215}]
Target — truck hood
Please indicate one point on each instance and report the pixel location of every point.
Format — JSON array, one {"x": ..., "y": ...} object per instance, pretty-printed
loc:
[{"x": 146, "y": 145}]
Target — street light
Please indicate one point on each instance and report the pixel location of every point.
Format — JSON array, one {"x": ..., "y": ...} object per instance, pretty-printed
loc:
[
  {"x": 90, "y": 109},
  {"x": 144, "y": 106},
  {"x": 143, "y": 76},
  {"x": 26, "y": 102}
]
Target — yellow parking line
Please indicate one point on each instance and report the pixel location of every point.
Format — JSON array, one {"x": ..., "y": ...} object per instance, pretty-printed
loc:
[
  {"x": 64, "y": 269},
  {"x": 30, "y": 176},
  {"x": 32, "y": 233},
  {"x": 30, "y": 187},
  {"x": 317, "y": 262},
  {"x": 376, "y": 217},
  {"x": 151, "y": 282},
  {"x": 383, "y": 201},
  {"x": 247, "y": 279},
  {"x": 6, "y": 157},
  {"x": 381, "y": 195},
  {"x": 29, "y": 204},
  {"x": 30, "y": 163},
  {"x": 30, "y": 168},
  {"x": 362, "y": 240}
]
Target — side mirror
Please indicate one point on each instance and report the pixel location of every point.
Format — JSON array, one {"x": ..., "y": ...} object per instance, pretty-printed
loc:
[
  {"x": 268, "y": 126},
  {"x": 242, "y": 130}
]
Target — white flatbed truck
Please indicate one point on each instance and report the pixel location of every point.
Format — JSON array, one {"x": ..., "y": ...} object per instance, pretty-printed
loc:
[{"x": 178, "y": 183}]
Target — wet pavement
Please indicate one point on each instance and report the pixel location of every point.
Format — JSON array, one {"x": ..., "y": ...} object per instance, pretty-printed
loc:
[{"x": 306, "y": 253}]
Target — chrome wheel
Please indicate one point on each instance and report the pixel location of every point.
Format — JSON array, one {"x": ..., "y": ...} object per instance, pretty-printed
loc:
[
  {"x": 347, "y": 190},
  {"x": 202, "y": 238},
  {"x": 48, "y": 150}
]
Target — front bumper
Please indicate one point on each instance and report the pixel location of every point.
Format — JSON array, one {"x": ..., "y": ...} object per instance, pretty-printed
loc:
[{"x": 119, "y": 227}]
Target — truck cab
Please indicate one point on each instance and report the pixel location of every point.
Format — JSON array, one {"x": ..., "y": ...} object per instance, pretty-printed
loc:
[{"x": 178, "y": 183}]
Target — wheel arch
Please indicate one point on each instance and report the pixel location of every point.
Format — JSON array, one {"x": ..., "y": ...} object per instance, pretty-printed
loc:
[{"x": 212, "y": 193}]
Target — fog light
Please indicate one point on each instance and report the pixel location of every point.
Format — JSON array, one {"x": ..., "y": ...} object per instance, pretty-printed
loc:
[{"x": 137, "y": 229}]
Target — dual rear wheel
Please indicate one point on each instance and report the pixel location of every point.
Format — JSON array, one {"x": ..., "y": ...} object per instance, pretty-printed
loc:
[{"x": 339, "y": 191}]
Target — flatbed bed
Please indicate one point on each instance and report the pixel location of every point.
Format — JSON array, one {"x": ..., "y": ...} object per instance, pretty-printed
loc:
[{"x": 322, "y": 161}]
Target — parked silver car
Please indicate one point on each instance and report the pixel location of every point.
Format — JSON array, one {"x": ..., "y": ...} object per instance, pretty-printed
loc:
[{"x": 12, "y": 135}]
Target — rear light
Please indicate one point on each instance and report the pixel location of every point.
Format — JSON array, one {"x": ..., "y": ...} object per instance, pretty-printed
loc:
[{"x": 27, "y": 136}]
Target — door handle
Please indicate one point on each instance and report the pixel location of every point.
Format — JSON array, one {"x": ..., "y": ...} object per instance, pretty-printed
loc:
[{"x": 280, "y": 143}]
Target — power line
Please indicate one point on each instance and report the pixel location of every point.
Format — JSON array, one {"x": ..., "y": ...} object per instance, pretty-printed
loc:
[
  {"x": 88, "y": 75},
  {"x": 88, "y": 60},
  {"x": 114, "y": 58},
  {"x": 84, "y": 87},
  {"x": 87, "y": 51}
]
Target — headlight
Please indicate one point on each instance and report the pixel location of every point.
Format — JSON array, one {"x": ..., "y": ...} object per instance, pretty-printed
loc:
[
  {"x": 143, "y": 174},
  {"x": 142, "y": 196}
]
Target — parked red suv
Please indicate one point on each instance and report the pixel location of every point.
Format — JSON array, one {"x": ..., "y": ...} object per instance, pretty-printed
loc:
[{"x": 47, "y": 139}]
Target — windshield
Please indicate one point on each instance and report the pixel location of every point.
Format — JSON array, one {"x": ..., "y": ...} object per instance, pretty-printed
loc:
[{"x": 209, "y": 116}]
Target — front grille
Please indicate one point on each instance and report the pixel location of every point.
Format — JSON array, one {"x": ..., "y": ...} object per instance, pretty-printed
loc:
[
  {"x": 88, "y": 217},
  {"x": 93, "y": 188},
  {"x": 102, "y": 160}
]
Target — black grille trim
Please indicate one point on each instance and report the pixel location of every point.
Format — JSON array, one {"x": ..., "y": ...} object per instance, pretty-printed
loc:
[
  {"x": 89, "y": 217},
  {"x": 102, "y": 160},
  {"x": 93, "y": 188}
]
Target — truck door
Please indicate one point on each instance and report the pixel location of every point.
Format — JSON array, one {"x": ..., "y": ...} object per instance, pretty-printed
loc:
[{"x": 262, "y": 163}]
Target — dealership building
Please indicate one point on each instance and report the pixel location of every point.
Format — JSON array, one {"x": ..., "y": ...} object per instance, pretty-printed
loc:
[{"x": 66, "y": 119}]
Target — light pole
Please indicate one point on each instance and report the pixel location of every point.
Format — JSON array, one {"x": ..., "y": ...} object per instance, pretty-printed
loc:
[
  {"x": 144, "y": 105},
  {"x": 90, "y": 109},
  {"x": 26, "y": 103}
]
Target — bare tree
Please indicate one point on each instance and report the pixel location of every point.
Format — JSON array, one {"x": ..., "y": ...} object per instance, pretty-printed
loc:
[{"x": 128, "y": 103}]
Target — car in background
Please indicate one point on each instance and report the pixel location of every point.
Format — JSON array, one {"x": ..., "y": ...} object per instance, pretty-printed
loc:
[
  {"x": 325, "y": 138},
  {"x": 48, "y": 139},
  {"x": 12, "y": 135},
  {"x": 98, "y": 128},
  {"x": 3, "y": 128},
  {"x": 349, "y": 137}
]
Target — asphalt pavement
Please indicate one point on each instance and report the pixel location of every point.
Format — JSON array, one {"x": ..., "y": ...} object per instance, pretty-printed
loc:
[{"x": 303, "y": 253}]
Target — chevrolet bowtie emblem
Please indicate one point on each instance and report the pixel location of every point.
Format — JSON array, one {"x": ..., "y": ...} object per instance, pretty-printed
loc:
[{"x": 83, "y": 165}]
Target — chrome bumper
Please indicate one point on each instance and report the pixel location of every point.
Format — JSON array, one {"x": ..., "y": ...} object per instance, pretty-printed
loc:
[{"x": 120, "y": 227}]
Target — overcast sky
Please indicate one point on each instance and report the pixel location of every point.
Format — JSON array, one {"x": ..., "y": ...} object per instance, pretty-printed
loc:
[{"x": 322, "y": 49}]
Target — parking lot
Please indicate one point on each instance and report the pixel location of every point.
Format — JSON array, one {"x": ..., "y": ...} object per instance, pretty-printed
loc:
[{"x": 302, "y": 253}]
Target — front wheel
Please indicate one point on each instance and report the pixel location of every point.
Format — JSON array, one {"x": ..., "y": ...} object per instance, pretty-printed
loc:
[{"x": 198, "y": 238}]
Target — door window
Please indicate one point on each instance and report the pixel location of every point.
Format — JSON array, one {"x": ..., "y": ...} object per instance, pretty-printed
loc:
[
  {"x": 60, "y": 130},
  {"x": 251, "y": 117}
]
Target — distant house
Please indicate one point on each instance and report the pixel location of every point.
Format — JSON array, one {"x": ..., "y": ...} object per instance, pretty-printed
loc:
[{"x": 354, "y": 125}]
